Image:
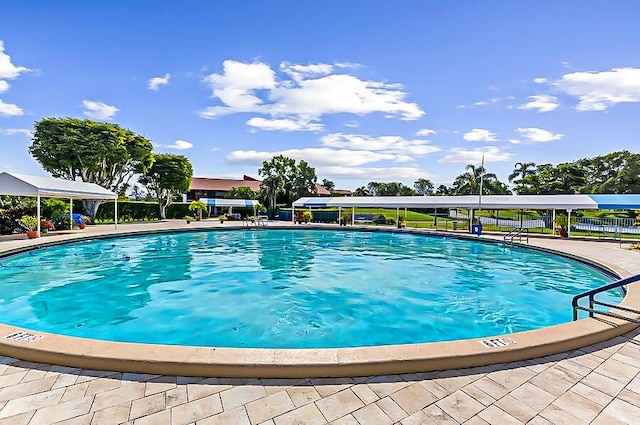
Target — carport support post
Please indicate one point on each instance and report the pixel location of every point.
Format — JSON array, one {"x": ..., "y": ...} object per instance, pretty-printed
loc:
[
  {"x": 568, "y": 223},
  {"x": 397, "y": 215},
  {"x": 353, "y": 215},
  {"x": 340, "y": 216},
  {"x": 38, "y": 212},
  {"x": 553, "y": 222},
  {"x": 71, "y": 213},
  {"x": 115, "y": 214},
  {"x": 293, "y": 214}
]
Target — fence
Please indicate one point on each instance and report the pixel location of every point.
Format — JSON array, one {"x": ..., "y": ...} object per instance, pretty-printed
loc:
[{"x": 607, "y": 227}]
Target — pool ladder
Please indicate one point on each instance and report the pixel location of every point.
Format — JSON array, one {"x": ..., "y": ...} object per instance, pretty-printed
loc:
[
  {"x": 593, "y": 302},
  {"x": 517, "y": 232}
]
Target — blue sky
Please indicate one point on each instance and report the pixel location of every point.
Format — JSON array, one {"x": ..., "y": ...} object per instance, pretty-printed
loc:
[{"x": 362, "y": 90}]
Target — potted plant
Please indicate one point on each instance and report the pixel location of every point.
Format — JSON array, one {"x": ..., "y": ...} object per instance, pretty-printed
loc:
[
  {"x": 401, "y": 223},
  {"x": 45, "y": 226},
  {"x": 188, "y": 219},
  {"x": 83, "y": 222},
  {"x": 307, "y": 216},
  {"x": 344, "y": 219},
  {"x": 30, "y": 224},
  {"x": 223, "y": 218},
  {"x": 197, "y": 207},
  {"x": 562, "y": 226}
]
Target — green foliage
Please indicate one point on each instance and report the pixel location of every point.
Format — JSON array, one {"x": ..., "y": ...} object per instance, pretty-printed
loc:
[
  {"x": 522, "y": 169},
  {"x": 188, "y": 218},
  {"x": 7, "y": 201},
  {"x": 384, "y": 189},
  {"x": 328, "y": 184},
  {"x": 616, "y": 172},
  {"x": 307, "y": 216},
  {"x": 169, "y": 176},
  {"x": 28, "y": 222},
  {"x": 242, "y": 192},
  {"x": 62, "y": 222},
  {"x": 54, "y": 207},
  {"x": 140, "y": 211},
  {"x": 197, "y": 206},
  {"x": 223, "y": 218},
  {"x": 94, "y": 152},
  {"x": 469, "y": 182},
  {"x": 9, "y": 218},
  {"x": 423, "y": 187}
]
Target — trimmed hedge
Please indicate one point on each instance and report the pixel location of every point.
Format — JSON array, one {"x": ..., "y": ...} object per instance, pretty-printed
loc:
[{"x": 142, "y": 211}]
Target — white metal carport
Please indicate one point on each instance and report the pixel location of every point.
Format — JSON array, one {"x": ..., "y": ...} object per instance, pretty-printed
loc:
[{"x": 48, "y": 187}]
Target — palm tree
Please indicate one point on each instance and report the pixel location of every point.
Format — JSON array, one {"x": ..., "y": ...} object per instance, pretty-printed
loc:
[
  {"x": 469, "y": 183},
  {"x": 522, "y": 169}
]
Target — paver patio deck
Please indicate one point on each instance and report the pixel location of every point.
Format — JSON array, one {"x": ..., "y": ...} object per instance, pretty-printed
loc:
[{"x": 597, "y": 384}]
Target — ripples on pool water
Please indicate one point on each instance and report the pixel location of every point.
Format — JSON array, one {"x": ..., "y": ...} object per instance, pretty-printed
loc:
[{"x": 289, "y": 289}]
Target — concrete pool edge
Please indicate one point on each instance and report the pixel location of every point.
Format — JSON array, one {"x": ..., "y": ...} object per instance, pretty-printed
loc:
[{"x": 286, "y": 363}]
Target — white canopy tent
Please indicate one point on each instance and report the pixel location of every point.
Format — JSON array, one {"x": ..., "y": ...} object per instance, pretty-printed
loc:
[
  {"x": 224, "y": 202},
  {"x": 472, "y": 202},
  {"x": 48, "y": 187}
]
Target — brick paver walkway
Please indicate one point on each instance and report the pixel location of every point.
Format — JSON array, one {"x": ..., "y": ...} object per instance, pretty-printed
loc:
[{"x": 598, "y": 384}]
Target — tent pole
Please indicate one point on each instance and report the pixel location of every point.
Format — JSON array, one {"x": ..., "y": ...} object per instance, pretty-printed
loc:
[
  {"x": 340, "y": 216},
  {"x": 38, "y": 213},
  {"x": 553, "y": 223},
  {"x": 568, "y": 223},
  {"x": 115, "y": 214},
  {"x": 353, "y": 215},
  {"x": 293, "y": 214},
  {"x": 71, "y": 213}
]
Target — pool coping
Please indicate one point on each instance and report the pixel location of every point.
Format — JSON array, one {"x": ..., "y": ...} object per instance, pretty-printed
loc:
[{"x": 322, "y": 362}]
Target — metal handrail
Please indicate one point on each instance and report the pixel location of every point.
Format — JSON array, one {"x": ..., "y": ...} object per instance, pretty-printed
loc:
[
  {"x": 517, "y": 232},
  {"x": 593, "y": 302}
]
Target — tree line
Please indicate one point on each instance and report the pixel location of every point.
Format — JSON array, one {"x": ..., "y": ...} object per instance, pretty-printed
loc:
[{"x": 109, "y": 155}]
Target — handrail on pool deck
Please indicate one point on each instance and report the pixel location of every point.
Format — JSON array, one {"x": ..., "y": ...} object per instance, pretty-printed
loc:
[{"x": 592, "y": 301}]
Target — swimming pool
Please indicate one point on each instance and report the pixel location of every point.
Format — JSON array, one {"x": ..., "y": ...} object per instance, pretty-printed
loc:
[{"x": 288, "y": 289}]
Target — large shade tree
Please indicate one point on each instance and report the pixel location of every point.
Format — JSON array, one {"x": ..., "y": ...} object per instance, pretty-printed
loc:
[
  {"x": 93, "y": 152},
  {"x": 283, "y": 177},
  {"x": 423, "y": 187},
  {"x": 169, "y": 176}
]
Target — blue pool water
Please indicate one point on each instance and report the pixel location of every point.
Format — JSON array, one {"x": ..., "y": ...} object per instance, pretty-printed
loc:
[{"x": 288, "y": 288}]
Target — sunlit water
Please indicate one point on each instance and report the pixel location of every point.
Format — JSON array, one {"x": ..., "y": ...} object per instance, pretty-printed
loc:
[{"x": 289, "y": 289}]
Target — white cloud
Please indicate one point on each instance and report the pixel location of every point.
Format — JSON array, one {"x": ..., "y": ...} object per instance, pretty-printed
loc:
[
  {"x": 312, "y": 92},
  {"x": 180, "y": 145},
  {"x": 541, "y": 103},
  {"x": 539, "y": 80},
  {"x": 539, "y": 135},
  {"x": 352, "y": 124},
  {"x": 8, "y": 70},
  {"x": 515, "y": 141},
  {"x": 10, "y": 110},
  {"x": 425, "y": 132},
  {"x": 156, "y": 82},
  {"x": 300, "y": 72},
  {"x": 487, "y": 102},
  {"x": 480, "y": 135},
  {"x": 98, "y": 110},
  {"x": 466, "y": 156},
  {"x": 13, "y": 131},
  {"x": 315, "y": 156},
  {"x": 387, "y": 144},
  {"x": 236, "y": 88},
  {"x": 381, "y": 173},
  {"x": 285, "y": 124},
  {"x": 597, "y": 91}
]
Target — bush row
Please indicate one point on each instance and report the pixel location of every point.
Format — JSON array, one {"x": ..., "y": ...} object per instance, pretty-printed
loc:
[{"x": 142, "y": 211}]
